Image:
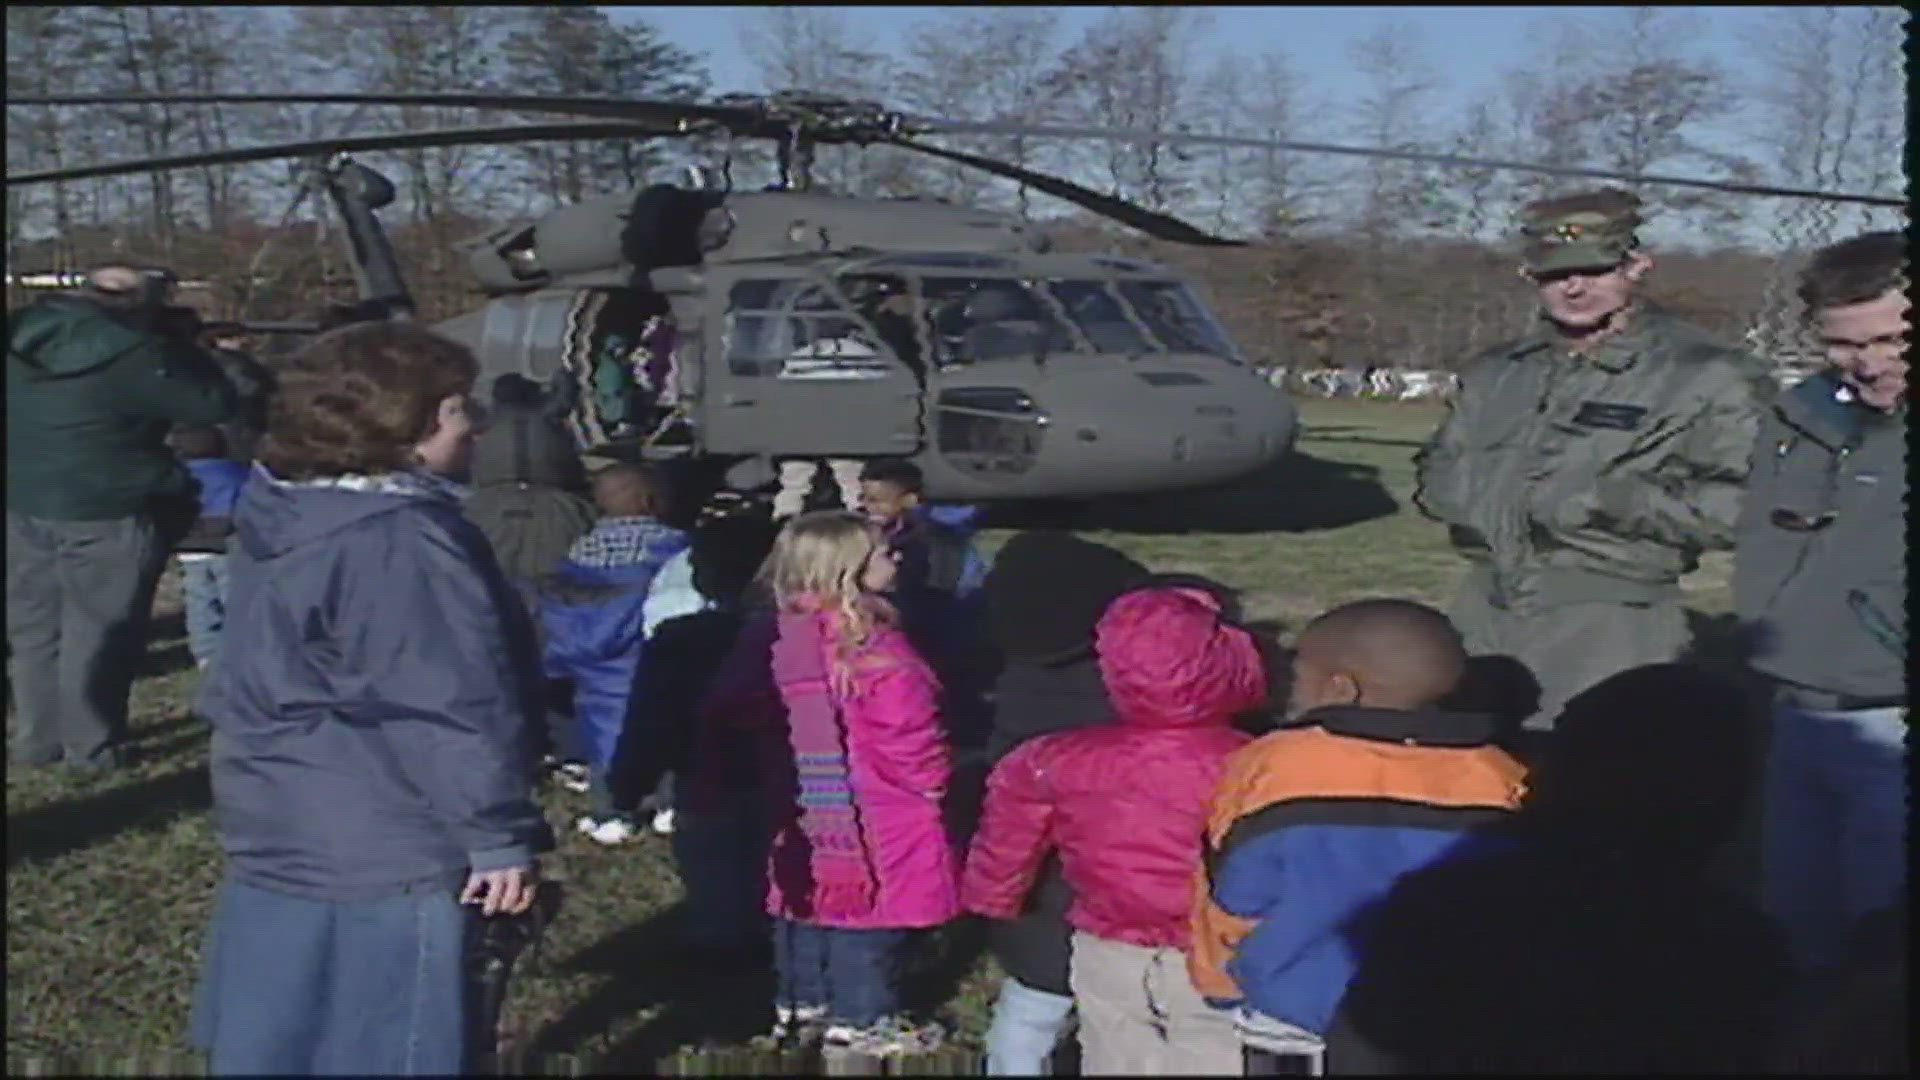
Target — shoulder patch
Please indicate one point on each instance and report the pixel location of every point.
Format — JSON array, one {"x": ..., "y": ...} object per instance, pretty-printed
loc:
[{"x": 1602, "y": 414}]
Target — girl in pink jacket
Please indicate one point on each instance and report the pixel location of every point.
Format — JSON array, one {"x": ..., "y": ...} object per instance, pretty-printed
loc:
[{"x": 858, "y": 769}]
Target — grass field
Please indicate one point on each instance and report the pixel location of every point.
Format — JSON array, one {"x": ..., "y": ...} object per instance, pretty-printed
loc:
[{"x": 109, "y": 881}]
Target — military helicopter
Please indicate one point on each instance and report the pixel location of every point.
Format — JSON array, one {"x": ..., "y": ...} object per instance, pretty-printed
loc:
[{"x": 791, "y": 322}]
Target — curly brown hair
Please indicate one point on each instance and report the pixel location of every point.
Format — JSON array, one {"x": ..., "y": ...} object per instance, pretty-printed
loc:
[{"x": 360, "y": 398}]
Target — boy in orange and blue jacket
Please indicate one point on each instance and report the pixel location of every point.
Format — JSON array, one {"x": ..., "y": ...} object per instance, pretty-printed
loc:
[{"x": 1367, "y": 780}]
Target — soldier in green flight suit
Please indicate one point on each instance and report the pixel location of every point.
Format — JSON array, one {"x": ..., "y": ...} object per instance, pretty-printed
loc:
[{"x": 1584, "y": 467}]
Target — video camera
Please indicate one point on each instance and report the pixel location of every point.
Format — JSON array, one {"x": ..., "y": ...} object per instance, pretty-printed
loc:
[{"x": 145, "y": 300}]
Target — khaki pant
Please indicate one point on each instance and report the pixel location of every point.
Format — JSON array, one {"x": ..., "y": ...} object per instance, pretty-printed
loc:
[
  {"x": 1141, "y": 1016},
  {"x": 796, "y": 479},
  {"x": 1569, "y": 647}
]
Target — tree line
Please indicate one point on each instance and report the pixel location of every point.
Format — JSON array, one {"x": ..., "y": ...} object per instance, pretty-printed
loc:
[{"x": 1355, "y": 261}]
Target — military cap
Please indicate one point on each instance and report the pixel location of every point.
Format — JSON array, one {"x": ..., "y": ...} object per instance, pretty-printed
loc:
[{"x": 1592, "y": 230}]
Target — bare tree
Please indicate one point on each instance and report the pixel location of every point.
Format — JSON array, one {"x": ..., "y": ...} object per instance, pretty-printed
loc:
[
  {"x": 816, "y": 50},
  {"x": 989, "y": 64},
  {"x": 579, "y": 51},
  {"x": 1830, "y": 96},
  {"x": 1133, "y": 68},
  {"x": 1392, "y": 113},
  {"x": 1649, "y": 102}
]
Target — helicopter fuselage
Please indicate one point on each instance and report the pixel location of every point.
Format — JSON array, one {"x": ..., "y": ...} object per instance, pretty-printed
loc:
[{"x": 1004, "y": 372}]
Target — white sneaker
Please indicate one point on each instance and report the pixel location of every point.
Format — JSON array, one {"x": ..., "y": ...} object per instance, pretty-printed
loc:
[
  {"x": 573, "y": 776},
  {"x": 790, "y": 1023},
  {"x": 608, "y": 831},
  {"x": 663, "y": 822}
]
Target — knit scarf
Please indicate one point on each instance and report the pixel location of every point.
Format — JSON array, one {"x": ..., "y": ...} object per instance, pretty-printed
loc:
[{"x": 834, "y": 850}]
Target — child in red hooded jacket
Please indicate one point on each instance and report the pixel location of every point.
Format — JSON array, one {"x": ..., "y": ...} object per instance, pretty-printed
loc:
[{"x": 1124, "y": 805}]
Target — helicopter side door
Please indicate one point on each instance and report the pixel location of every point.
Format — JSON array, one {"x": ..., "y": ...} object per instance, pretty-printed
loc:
[{"x": 792, "y": 371}]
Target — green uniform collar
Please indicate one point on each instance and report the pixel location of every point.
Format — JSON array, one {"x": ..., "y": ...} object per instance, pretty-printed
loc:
[{"x": 1615, "y": 354}]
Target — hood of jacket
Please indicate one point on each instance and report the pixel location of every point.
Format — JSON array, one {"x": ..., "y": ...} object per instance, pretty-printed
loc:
[
  {"x": 1046, "y": 591},
  {"x": 1170, "y": 659},
  {"x": 1038, "y": 699},
  {"x": 274, "y": 517},
  {"x": 64, "y": 336}
]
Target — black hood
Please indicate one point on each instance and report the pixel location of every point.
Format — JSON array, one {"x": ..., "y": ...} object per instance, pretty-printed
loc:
[{"x": 1047, "y": 590}]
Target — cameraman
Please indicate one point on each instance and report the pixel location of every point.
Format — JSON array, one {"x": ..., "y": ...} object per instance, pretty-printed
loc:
[
  {"x": 227, "y": 342},
  {"x": 95, "y": 378}
]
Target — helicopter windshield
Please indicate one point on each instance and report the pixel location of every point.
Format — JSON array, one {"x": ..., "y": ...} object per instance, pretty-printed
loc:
[
  {"x": 971, "y": 319},
  {"x": 1101, "y": 316},
  {"x": 1176, "y": 317}
]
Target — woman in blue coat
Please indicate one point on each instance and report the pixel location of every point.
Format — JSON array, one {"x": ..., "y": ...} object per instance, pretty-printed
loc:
[{"x": 371, "y": 717}]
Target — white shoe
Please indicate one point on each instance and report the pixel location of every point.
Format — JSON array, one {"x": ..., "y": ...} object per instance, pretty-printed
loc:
[
  {"x": 608, "y": 831},
  {"x": 794, "y": 1023},
  {"x": 663, "y": 822},
  {"x": 573, "y": 776}
]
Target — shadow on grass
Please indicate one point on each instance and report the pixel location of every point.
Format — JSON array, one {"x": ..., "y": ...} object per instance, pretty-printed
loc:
[
  {"x": 698, "y": 1003},
  {"x": 69, "y": 825},
  {"x": 705, "y": 1005},
  {"x": 171, "y": 626},
  {"x": 174, "y": 724},
  {"x": 161, "y": 662},
  {"x": 1298, "y": 493}
]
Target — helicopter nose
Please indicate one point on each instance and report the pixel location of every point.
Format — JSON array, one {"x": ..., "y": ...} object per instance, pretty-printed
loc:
[{"x": 1184, "y": 435}]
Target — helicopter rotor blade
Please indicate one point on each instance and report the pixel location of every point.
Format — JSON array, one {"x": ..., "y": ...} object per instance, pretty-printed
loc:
[
  {"x": 677, "y": 115},
  {"x": 468, "y": 136},
  {"x": 935, "y": 126},
  {"x": 1151, "y": 222}
]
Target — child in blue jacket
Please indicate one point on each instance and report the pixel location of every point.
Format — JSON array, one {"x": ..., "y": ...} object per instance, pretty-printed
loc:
[
  {"x": 203, "y": 551},
  {"x": 593, "y": 610}
]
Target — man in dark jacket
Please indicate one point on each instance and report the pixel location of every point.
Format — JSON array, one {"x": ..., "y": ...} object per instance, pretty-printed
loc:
[
  {"x": 529, "y": 500},
  {"x": 94, "y": 381},
  {"x": 227, "y": 343},
  {"x": 1583, "y": 468},
  {"x": 1820, "y": 581},
  {"x": 1043, "y": 596},
  {"x": 529, "y": 486}
]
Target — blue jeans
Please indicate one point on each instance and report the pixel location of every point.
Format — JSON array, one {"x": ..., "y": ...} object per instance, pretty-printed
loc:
[
  {"x": 1834, "y": 825},
  {"x": 1027, "y": 1026},
  {"x": 849, "y": 972},
  {"x": 292, "y": 986},
  {"x": 723, "y": 866},
  {"x": 203, "y": 579}
]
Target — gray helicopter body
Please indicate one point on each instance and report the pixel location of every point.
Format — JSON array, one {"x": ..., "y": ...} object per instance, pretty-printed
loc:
[{"x": 822, "y": 326}]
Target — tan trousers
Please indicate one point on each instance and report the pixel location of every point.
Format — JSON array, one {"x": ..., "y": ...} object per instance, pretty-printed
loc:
[
  {"x": 796, "y": 479},
  {"x": 1141, "y": 1016}
]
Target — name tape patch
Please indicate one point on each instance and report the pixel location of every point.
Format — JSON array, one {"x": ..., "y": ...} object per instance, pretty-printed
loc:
[{"x": 1603, "y": 414}]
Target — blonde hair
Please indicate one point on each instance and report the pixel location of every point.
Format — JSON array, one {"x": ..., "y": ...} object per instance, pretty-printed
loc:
[{"x": 817, "y": 563}]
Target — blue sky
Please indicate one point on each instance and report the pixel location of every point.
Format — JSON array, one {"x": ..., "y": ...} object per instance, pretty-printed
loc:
[{"x": 1469, "y": 46}]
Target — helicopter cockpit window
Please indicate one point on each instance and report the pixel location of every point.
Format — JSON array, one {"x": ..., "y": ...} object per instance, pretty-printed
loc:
[
  {"x": 1100, "y": 316},
  {"x": 1177, "y": 318},
  {"x": 795, "y": 329},
  {"x": 886, "y": 302},
  {"x": 970, "y": 320}
]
